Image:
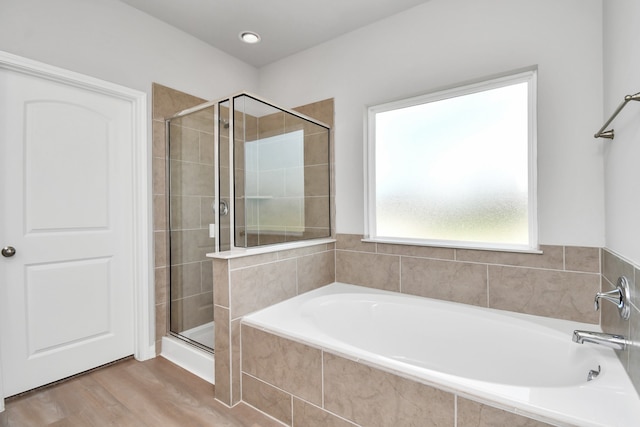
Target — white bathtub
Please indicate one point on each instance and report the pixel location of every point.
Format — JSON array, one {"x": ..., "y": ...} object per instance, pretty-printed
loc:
[{"x": 522, "y": 363}]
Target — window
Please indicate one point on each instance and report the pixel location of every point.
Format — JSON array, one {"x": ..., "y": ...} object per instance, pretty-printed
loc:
[{"x": 456, "y": 167}]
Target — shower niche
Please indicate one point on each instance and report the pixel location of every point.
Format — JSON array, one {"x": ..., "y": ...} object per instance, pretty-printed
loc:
[{"x": 242, "y": 173}]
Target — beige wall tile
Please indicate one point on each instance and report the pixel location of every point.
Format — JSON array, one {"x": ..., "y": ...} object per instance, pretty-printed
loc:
[
  {"x": 316, "y": 270},
  {"x": 159, "y": 144},
  {"x": 417, "y": 251},
  {"x": 207, "y": 152},
  {"x": 371, "y": 397},
  {"x": 159, "y": 176},
  {"x": 221, "y": 282},
  {"x": 161, "y": 322},
  {"x": 192, "y": 311},
  {"x": 191, "y": 179},
  {"x": 473, "y": 414},
  {"x": 190, "y": 246},
  {"x": 578, "y": 258},
  {"x": 552, "y": 257},
  {"x": 166, "y": 101},
  {"x": 236, "y": 367},
  {"x": 286, "y": 364},
  {"x": 261, "y": 286},
  {"x": 614, "y": 267},
  {"x": 253, "y": 260},
  {"x": 367, "y": 269},
  {"x": 316, "y": 151},
  {"x": 307, "y": 415},
  {"x": 353, "y": 242},
  {"x": 186, "y": 280},
  {"x": 223, "y": 355},
  {"x": 206, "y": 270},
  {"x": 161, "y": 279},
  {"x": 266, "y": 398},
  {"x": 321, "y": 110},
  {"x": 185, "y": 212},
  {"x": 559, "y": 294},
  {"x": 447, "y": 280},
  {"x": 160, "y": 248},
  {"x": 316, "y": 180},
  {"x": 184, "y": 143},
  {"x": 300, "y": 252},
  {"x": 159, "y": 212}
]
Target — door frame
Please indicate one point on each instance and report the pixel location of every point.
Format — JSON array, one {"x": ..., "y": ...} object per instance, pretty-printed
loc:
[{"x": 143, "y": 292}]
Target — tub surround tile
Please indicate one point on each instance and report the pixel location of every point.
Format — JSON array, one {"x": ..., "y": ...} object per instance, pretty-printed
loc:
[
  {"x": 253, "y": 260},
  {"x": 417, "y": 251},
  {"x": 368, "y": 269},
  {"x": 221, "y": 281},
  {"x": 552, "y": 257},
  {"x": 370, "y": 397},
  {"x": 223, "y": 355},
  {"x": 614, "y": 267},
  {"x": 585, "y": 259},
  {"x": 315, "y": 271},
  {"x": 236, "y": 387},
  {"x": 551, "y": 293},
  {"x": 473, "y": 414},
  {"x": 261, "y": 286},
  {"x": 353, "y": 242},
  {"x": 288, "y": 365},
  {"x": 308, "y": 415},
  {"x": 446, "y": 280},
  {"x": 267, "y": 399},
  {"x": 161, "y": 254}
]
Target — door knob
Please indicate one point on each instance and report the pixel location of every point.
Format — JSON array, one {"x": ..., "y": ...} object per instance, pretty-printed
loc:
[{"x": 8, "y": 251}]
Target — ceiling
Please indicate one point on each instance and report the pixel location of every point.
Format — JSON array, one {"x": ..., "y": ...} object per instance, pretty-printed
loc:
[{"x": 286, "y": 26}]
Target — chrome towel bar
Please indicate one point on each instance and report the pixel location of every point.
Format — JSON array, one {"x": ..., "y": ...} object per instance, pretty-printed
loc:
[{"x": 602, "y": 133}]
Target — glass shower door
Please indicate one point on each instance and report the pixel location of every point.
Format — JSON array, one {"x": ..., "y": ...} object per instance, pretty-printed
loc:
[{"x": 191, "y": 158}]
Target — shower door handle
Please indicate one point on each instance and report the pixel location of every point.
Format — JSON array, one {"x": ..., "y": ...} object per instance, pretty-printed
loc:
[{"x": 8, "y": 251}]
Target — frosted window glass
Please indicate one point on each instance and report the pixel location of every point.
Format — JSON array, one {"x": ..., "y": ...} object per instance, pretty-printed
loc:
[{"x": 455, "y": 169}]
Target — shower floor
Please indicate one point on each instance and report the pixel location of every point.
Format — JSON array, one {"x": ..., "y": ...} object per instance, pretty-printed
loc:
[{"x": 203, "y": 334}]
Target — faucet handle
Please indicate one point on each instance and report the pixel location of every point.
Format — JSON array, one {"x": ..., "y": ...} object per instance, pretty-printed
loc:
[
  {"x": 619, "y": 296},
  {"x": 615, "y": 296}
]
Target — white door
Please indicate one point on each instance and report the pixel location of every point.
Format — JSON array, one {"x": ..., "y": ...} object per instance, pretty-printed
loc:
[{"x": 66, "y": 296}]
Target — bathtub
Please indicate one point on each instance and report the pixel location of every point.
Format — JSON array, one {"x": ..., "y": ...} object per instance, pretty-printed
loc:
[{"x": 521, "y": 363}]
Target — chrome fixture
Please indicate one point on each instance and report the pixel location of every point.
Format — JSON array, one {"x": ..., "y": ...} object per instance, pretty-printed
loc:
[
  {"x": 593, "y": 374},
  {"x": 616, "y": 342},
  {"x": 619, "y": 296},
  {"x": 8, "y": 251},
  {"x": 609, "y": 133}
]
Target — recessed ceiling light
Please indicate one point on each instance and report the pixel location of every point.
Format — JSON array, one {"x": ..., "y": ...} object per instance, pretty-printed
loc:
[{"x": 249, "y": 37}]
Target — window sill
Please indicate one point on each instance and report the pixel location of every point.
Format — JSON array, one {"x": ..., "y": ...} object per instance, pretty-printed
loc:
[{"x": 442, "y": 244}]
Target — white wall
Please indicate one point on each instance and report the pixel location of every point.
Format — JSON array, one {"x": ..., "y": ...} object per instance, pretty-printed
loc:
[
  {"x": 622, "y": 154},
  {"x": 112, "y": 41},
  {"x": 445, "y": 42}
]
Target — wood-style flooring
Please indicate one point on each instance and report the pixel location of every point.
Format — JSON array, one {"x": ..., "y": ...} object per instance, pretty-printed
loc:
[{"x": 129, "y": 393}]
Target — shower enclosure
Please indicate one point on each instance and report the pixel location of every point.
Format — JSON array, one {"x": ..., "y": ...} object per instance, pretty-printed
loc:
[{"x": 242, "y": 172}]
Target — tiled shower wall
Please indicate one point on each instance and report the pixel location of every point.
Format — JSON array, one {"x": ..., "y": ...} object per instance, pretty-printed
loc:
[
  {"x": 166, "y": 102},
  {"x": 192, "y": 196}
]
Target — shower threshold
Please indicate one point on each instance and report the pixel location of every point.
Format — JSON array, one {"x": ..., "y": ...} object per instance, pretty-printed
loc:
[{"x": 186, "y": 354}]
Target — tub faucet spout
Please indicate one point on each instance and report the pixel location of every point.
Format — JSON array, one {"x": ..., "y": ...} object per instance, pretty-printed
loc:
[{"x": 616, "y": 342}]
